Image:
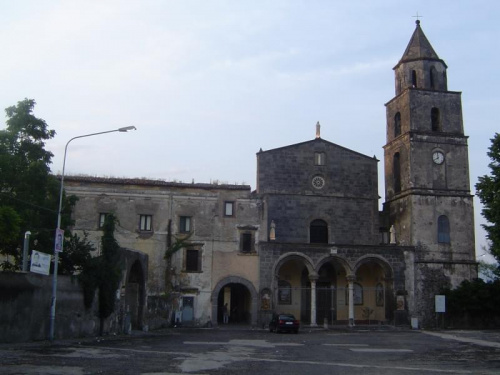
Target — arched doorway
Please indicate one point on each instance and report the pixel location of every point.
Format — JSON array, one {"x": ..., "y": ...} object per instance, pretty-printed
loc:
[
  {"x": 134, "y": 295},
  {"x": 241, "y": 298},
  {"x": 238, "y": 300}
]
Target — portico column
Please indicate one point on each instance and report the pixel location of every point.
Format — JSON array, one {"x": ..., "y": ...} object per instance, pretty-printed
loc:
[
  {"x": 350, "y": 280},
  {"x": 312, "y": 279}
]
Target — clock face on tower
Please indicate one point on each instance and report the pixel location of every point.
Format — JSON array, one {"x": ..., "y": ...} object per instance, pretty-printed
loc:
[{"x": 438, "y": 157}]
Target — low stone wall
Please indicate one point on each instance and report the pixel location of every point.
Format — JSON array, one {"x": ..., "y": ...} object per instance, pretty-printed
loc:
[
  {"x": 25, "y": 308},
  {"x": 25, "y": 300}
]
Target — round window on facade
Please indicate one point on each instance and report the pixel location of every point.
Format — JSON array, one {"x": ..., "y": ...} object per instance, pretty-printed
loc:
[{"x": 318, "y": 182}]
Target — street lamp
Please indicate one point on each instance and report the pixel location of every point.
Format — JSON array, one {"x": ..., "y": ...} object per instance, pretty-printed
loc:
[{"x": 58, "y": 245}]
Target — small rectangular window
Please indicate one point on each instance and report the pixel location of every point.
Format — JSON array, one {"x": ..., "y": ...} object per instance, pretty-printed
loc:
[
  {"x": 192, "y": 260},
  {"x": 145, "y": 223},
  {"x": 228, "y": 208},
  {"x": 246, "y": 242},
  {"x": 185, "y": 224},
  {"x": 319, "y": 158},
  {"x": 102, "y": 219}
]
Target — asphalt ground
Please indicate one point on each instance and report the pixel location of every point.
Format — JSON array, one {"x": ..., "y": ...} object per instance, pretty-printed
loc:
[{"x": 240, "y": 350}]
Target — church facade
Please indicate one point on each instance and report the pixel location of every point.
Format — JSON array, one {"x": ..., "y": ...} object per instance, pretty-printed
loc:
[{"x": 310, "y": 240}]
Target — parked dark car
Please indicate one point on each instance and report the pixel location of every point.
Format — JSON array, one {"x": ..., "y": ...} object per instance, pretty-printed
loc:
[{"x": 284, "y": 322}]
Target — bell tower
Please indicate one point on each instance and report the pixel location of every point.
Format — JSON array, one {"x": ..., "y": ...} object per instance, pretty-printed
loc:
[{"x": 427, "y": 185}]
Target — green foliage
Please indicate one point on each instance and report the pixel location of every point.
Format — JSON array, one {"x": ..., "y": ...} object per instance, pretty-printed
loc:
[
  {"x": 9, "y": 231},
  {"x": 488, "y": 271},
  {"x": 9, "y": 224},
  {"x": 177, "y": 245},
  {"x": 26, "y": 186},
  {"x": 110, "y": 268},
  {"x": 29, "y": 194},
  {"x": 77, "y": 254},
  {"x": 103, "y": 273},
  {"x": 172, "y": 248},
  {"x": 488, "y": 191},
  {"x": 89, "y": 279},
  {"x": 474, "y": 303}
]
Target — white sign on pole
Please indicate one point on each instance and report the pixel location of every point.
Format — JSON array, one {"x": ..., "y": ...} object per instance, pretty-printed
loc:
[
  {"x": 59, "y": 240},
  {"x": 440, "y": 304},
  {"x": 40, "y": 262}
]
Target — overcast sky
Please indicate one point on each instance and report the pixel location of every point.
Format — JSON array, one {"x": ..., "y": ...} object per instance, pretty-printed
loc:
[{"x": 208, "y": 83}]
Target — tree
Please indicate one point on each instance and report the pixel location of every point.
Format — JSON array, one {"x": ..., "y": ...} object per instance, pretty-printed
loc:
[
  {"x": 474, "y": 303},
  {"x": 103, "y": 273},
  {"x": 110, "y": 269},
  {"x": 77, "y": 254},
  {"x": 488, "y": 191},
  {"x": 28, "y": 192}
]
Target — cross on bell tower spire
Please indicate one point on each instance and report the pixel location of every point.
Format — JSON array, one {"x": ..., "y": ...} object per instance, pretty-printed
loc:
[{"x": 418, "y": 20}]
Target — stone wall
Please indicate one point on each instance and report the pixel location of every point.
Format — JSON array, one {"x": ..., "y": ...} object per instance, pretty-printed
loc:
[
  {"x": 431, "y": 279},
  {"x": 25, "y": 304},
  {"x": 25, "y": 308}
]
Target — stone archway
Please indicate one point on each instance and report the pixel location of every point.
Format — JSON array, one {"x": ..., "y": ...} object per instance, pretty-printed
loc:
[
  {"x": 333, "y": 272},
  {"x": 135, "y": 294},
  {"x": 293, "y": 285},
  {"x": 248, "y": 298},
  {"x": 374, "y": 279}
]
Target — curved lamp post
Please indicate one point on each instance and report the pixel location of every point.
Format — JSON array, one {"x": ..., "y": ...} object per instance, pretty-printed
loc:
[{"x": 58, "y": 245}]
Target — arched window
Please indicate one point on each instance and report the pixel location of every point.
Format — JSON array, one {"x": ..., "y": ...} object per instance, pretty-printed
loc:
[
  {"x": 435, "y": 120},
  {"x": 443, "y": 229},
  {"x": 414, "y": 78},
  {"x": 396, "y": 166},
  {"x": 318, "y": 231},
  {"x": 433, "y": 77},
  {"x": 397, "y": 124}
]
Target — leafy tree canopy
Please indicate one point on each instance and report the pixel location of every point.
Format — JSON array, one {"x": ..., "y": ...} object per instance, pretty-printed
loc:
[
  {"x": 488, "y": 191},
  {"x": 29, "y": 193},
  {"x": 77, "y": 254}
]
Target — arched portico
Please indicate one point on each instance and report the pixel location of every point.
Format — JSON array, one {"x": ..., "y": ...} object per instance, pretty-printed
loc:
[
  {"x": 291, "y": 286},
  {"x": 373, "y": 289},
  {"x": 333, "y": 272},
  {"x": 247, "y": 300}
]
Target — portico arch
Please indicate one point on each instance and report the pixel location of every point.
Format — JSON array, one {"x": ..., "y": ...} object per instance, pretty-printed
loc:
[
  {"x": 375, "y": 298},
  {"x": 333, "y": 272},
  {"x": 241, "y": 283},
  {"x": 381, "y": 261},
  {"x": 294, "y": 277},
  {"x": 291, "y": 256}
]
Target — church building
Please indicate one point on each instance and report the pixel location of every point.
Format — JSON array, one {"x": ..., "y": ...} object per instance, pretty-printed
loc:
[{"x": 310, "y": 240}]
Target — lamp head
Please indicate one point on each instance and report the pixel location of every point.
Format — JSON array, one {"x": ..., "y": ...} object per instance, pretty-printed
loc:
[{"x": 127, "y": 128}]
